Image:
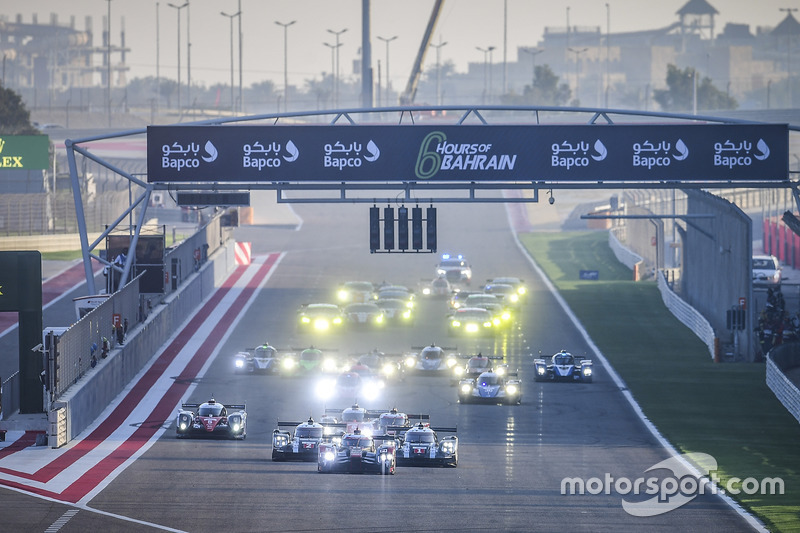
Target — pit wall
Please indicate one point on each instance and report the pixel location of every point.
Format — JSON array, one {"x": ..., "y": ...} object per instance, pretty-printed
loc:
[
  {"x": 74, "y": 411},
  {"x": 780, "y": 359}
]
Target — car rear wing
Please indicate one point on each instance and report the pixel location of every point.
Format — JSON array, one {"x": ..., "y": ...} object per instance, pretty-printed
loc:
[
  {"x": 241, "y": 406},
  {"x": 190, "y": 406}
]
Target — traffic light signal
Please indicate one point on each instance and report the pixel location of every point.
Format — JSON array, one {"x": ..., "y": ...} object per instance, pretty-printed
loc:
[
  {"x": 374, "y": 229},
  {"x": 402, "y": 228},
  {"x": 431, "y": 229},
  {"x": 388, "y": 228},
  {"x": 416, "y": 228}
]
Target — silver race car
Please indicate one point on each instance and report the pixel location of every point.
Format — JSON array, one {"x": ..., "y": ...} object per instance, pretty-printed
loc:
[
  {"x": 302, "y": 446},
  {"x": 421, "y": 446}
]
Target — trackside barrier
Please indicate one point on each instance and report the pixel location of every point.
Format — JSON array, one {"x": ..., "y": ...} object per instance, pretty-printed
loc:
[
  {"x": 98, "y": 387},
  {"x": 684, "y": 312},
  {"x": 9, "y": 399},
  {"x": 780, "y": 359},
  {"x": 688, "y": 315},
  {"x": 624, "y": 255},
  {"x": 58, "y": 427}
]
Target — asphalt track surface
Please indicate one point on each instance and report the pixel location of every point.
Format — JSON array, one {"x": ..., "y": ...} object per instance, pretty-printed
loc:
[{"x": 129, "y": 472}]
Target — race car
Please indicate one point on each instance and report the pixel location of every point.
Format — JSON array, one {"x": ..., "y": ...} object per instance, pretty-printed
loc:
[
  {"x": 458, "y": 297},
  {"x": 471, "y": 321},
  {"x": 563, "y": 366},
  {"x": 353, "y": 418},
  {"x": 387, "y": 366},
  {"x": 430, "y": 359},
  {"x": 351, "y": 385},
  {"x": 358, "y": 453},
  {"x": 454, "y": 269},
  {"x": 491, "y": 387},
  {"x": 505, "y": 292},
  {"x": 354, "y": 292},
  {"x": 421, "y": 446},
  {"x": 302, "y": 446},
  {"x": 396, "y": 311},
  {"x": 400, "y": 292},
  {"x": 477, "y": 365},
  {"x": 263, "y": 359},
  {"x": 309, "y": 360},
  {"x": 518, "y": 284},
  {"x": 438, "y": 287},
  {"x": 320, "y": 317},
  {"x": 366, "y": 314},
  {"x": 501, "y": 314},
  {"x": 212, "y": 419},
  {"x": 394, "y": 422}
]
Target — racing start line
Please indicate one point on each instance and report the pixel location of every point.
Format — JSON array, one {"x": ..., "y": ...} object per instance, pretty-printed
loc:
[{"x": 125, "y": 430}]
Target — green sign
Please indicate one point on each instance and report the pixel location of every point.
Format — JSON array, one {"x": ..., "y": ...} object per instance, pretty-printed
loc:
[{"x": 24, "y": 152}]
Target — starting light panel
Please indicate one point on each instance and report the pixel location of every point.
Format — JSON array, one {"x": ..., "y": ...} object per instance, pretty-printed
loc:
[{"x": 417, "y": 230}]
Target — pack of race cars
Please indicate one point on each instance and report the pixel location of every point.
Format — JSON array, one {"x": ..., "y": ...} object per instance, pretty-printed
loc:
[{"x": 358, "y": 440}]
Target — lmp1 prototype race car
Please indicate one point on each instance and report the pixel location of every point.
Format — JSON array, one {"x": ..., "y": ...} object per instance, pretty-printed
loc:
[
  {"x": 263, "y": 359},
  {"x": 491, "y": 387},
  {"x": 421, "y": 446},
  {"x": 302, "y": 446},
  {"x": 212, "y": 419},
  {"x": 358, "y": 453},
  {"x": 564, "y": 366},
  {"x": 430, "y": 359}
]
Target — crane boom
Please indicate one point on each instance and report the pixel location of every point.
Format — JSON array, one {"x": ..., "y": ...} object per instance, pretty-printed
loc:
[{"x": 411, "y": 87}]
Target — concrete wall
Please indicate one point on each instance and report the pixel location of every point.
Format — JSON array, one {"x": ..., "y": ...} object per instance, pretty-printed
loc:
[
  {"x": 779, "y": 360},
  {"x": 99, "y": 387},
  {"x": 717, "y": 271}
]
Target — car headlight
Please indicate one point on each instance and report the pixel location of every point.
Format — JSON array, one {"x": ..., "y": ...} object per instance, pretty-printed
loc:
[
  {"x": 466, "y": 388},
  {"x": 496, "y": 321},
  {"x": 501, "y": 371},
  {"x": 321, "y": 324},
  {"x": 448, "y": 446},
  {"x": 506, "y": 316},
  {"x": 288, "y": 364},
  {"x": 329, "y": 364},
  {"x": 587, "y": 371},
  {"x": 512, "y": 389},
  {"x": 459, "y": 371},
  {"x": 456, "y": 323},
  {"x": 329, "y": 456},
  {"x": 239, "y": 363},
  {"x": 540, "y": 370},
  {"x": 343, "y": 295},
  {"x": 379, "y": 319},
  {"x": 451, "y": 362},
  {"x": 521, "y": 290},
  {"x": 183, "y": 426},
  {"x": 235, "y": 427},
  {"x": 407, "y": 314},
  {"x": 472, "y": 328},
  {"x": 337, "y": 320},
  {"x": 487, "y": 324},
  {"x": 426, "y": 291},
  {"x": 388, "y": 369},
  {"x": 410, "y": 361},
  {"x": 441, "y": 272},
  {"x": 305, "y": 320},
  {"x": 514, "y": 298}
]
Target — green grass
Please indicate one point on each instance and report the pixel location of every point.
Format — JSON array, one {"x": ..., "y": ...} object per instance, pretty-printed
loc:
[{"x": 722, "y": 409}]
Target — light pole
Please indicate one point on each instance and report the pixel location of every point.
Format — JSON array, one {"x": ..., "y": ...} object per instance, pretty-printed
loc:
[
  {"x": 158, "y": 57},
  {"x": 336, "y": 78},
  {"x": 491, "y": 65},
  {"x": 188, "y": 58},
  {"x": 285, "y": 61},
  {"x": 333, "y": 48},
  {"x": 577, "y": 52},
  {"x": 608, "y": 50},
  {"x": 108, "y": 64},
  {"x": 388, "y": 83},
  {"x": 533, "y": 52},
  {"x": 789, "y": 11},
  {"x": 178, "y": 11},
  {"x": 438, "y": 69},
  {"x": 241, "y": 103},
  {"x": 485, "y": 69},
  {"x": 231, "y": 17}
]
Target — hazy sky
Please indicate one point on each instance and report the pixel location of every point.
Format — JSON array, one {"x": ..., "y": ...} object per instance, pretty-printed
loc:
[{"x": 463, "y": 25}]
